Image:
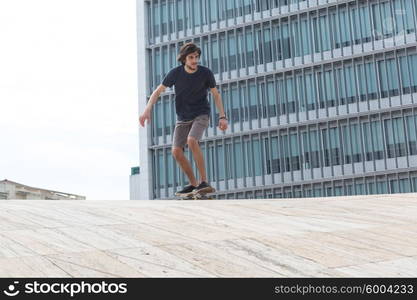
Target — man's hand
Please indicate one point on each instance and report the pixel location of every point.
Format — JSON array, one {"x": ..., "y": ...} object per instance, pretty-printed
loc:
[
  {"x": 223, "y": 124},
  {"x": 145, "y": 116}
]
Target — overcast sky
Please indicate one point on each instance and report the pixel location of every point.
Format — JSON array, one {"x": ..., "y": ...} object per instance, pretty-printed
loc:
[{"x": 68, "y": 98}]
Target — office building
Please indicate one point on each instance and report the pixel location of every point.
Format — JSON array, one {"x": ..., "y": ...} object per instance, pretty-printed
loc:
[{"x": 321, "y": 95}]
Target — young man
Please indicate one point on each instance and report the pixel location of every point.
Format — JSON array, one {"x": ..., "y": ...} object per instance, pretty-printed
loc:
[{"x": 191, "y": 82}]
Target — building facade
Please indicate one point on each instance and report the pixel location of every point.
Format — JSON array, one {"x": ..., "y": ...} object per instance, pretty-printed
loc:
[
  {"x": 321, "y": 95},
  {"x": 134, "y": 183},
  {"x": 17, "y": 191}
]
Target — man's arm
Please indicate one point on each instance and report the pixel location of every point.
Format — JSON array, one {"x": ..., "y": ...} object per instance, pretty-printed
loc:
[
  {"x": 152, "y": 100},
  {"x": 218, "y": 101},
  {"x": 155, "y": 96},
  {"x": 219, "y": 105}
]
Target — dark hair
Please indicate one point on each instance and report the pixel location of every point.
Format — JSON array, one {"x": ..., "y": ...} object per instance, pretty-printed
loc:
[{"x": 186, "y": 49}]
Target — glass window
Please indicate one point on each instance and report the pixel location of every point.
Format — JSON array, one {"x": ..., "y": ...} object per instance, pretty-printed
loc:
[
  {"x": 405, "y": 76},
  {"x": 290, "y": 89},
  {"x": 387, "y": 20},
  {"x": 180, "y": 15},
  {"x": 240, "y": 50},
  {"x": 221, "y": 165},
  {"x": 371, "y": 80},
  {"x": 399, "y": 136},
  {"x": 335, "y": 146},
  {"x": 249, "y": 48},
  {"x": 229, "y": 8},
  {"x": 300, "y": 92},
  {"x": 326, "y": 145},
  {"x": 344, "y": 29},
  {"x": 232, "y": 51},
  {"x": 157, "y": 67},
  {"x": 270, "y": 94},
  {"x": 276, "y": 168},
  {"x": 156, "y": 18},
  {"x": 295, "y": 152},
  {"x": 377, "y": 140},
  {"x": 311, "y": 91},
  {"x": 285, "y": 153},
  {"x": 229, "y": 166},
  {"x": 211, "y": 166},
  {"x": 197, "y": 12},
  {"x": 360, "y": 73},
  {"x": 247, "y": 6},
  {"x": 213, "y": 10},
  {"x": 405, "y": 185},
  {"x": 223, "y": 52},
  {"x": 330, "y": 90},
  {"x": 215, "y": 55},
  {"x": 325, "y": 36},
  {"x": 235, "y": 104},
  {"x": 413, "y": 69},
  {"x": 164, "y": 8},
  {"x": 367, "y": 136},
  {"x": 285, "y": 41},
  {"x": 382, "y": 187},
  {"x": 171, "y": 15},
  {"x": 347, "y": 145},
  {"x": 350, "y": 84},
  {"x": 305, "y": 37},
  {"x": 161, "y": 169},
  {"x": 393, "y": 77},
  {"x": 167, "y": 115},
  {"x": 390, "y": 143},
  {"x": 365, "y": 22},
  {"x": 356, "y": 138},
  {"x": 165, "y": 63},
  {"x": 267, "y": 47},
  {"x": 360, "y": 189},
  {"x": 253, "y": 103},
  {"x": 281, "y": 97},
  {"x": 257, "y": 157},
  {"x": 306, "y": 150},
  {"x": 412, "y": 134},
  {"x": 408, "y": 15},
  {"x": 315, "y": 149},
  {"x": 357, "y": 36},
  {"x": 170, "y": 161},
  {"x": 294, "y": 33},
  {"x": 394, "y": 186}
]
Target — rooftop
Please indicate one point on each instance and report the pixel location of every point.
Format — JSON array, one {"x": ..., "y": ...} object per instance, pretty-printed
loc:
[
  {"x": 358, "y": 236},
  {"x": 25, "y": 189}
]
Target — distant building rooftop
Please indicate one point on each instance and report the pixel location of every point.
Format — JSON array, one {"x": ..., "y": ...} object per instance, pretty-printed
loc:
[{"x": 14, "y": 190}]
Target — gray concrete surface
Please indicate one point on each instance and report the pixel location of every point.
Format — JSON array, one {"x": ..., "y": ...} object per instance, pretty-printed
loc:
[{"x": 357, "y": 236}]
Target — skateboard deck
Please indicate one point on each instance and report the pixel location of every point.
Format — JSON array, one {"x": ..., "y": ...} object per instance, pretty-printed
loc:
[{"x": 197, "y": 196}]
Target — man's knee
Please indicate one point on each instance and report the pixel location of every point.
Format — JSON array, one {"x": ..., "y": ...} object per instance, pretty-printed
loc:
[
  {"x": 192, "y": 142},
  {"x": 177, "y": 152}
]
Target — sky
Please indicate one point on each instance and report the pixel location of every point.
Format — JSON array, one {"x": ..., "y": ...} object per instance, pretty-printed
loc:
[{"x": 68, "y": 95}]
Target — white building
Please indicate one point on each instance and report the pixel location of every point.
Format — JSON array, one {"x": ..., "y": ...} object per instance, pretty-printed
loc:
[
  {"x": 14, "y": 190},
  {"x": 134, "y": 184}
]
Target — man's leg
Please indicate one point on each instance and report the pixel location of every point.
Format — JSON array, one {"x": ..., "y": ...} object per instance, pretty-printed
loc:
[
  {"x": 181, "y": 131},
  {"x": 185, "y": 165},
  {"x": 198, "y": 157},
  {"x": 198, "y": 127}
]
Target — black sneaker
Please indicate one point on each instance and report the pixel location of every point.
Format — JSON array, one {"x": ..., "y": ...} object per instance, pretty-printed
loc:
[
  {"x": 186, "y": 191},
  {"x": 204, "y": 187}
]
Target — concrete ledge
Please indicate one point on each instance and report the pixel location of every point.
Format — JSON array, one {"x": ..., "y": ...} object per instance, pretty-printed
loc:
[{"x": 359, "y": 236}]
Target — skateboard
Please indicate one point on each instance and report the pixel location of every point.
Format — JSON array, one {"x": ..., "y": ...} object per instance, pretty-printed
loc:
[{"x": 196, "y": 196}]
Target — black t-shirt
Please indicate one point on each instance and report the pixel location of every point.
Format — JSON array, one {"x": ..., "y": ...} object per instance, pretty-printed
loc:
[{"x": 190, "y": 91}]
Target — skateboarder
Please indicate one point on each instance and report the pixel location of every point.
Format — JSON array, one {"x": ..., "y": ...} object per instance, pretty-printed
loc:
[{"x": 191, "y": 82}]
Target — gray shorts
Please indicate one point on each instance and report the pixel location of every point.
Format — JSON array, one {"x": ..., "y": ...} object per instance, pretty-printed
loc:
[{"x": 194, "y": 128}]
